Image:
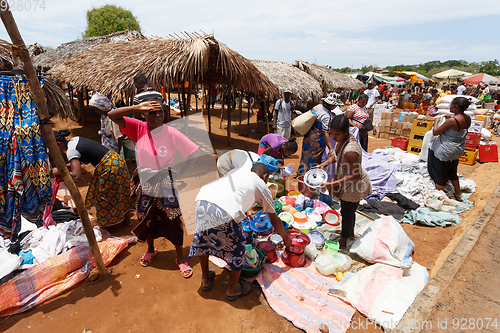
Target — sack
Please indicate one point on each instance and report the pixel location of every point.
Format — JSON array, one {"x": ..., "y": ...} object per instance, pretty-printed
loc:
[
  {"x": 303, "y": 123},
  {"x": 367, "y": 124}
]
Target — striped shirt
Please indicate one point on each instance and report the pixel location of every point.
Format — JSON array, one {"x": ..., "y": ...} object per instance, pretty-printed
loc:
[
  {"x": 148, "y": 95},
  {"x": 360, "y": 114}
]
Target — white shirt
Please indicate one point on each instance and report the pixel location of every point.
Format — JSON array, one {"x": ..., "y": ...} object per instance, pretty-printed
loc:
[
  {"x": 461, "y": 89},
  {"x": 237, "y": 192},
  {"x": 486, "y": 91},
  {"x": 337, "y": 111},
  {"x": 284, "y": 113},
  {"x": 372, "y": 96}
]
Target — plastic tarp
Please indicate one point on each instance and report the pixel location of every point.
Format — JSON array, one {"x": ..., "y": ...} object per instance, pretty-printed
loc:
[
  {"x": 386, "y": 79},
  {"x": 481, "y": 78},
  {"x": 451, "y": 74},
  {"x": 414, "y": 76}
]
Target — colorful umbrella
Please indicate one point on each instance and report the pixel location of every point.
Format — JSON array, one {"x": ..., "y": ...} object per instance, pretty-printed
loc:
[
  {"x": 451, "y": 74},
  {"x": 481, "y": 78}
]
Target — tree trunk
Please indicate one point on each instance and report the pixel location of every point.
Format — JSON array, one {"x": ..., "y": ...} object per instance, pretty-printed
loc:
[{"x": 48, "y": 135}]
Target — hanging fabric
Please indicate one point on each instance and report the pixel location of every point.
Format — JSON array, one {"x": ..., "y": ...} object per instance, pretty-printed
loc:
[{"x": 24, "y": 175}]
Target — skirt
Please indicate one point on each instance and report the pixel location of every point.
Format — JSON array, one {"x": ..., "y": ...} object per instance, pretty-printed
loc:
[
  {"x": 109, "y": 190},
  {"x": 218, "y": 235},
  {"x": 158, "y": 216},
  {"x": 440, "y": 171},
  {"x": 313, "y": 147}
]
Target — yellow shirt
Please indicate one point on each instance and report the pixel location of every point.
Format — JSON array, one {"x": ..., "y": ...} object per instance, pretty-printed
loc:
[{"x": 442, "y": 93}]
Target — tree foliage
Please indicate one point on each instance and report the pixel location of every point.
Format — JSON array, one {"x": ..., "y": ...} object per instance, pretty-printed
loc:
[
  {"x": 491, "y": 67},
  {"x": 108, "y": 19}
]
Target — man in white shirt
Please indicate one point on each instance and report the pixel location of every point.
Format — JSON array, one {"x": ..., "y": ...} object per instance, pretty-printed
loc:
[
  {"x": 486, "y": 91},
  {"x": 461, "y": 89},
  {"x": 373, "y": 97},
  {"x": 283, "y": 114},
  {"x": 220, "y": 207}
]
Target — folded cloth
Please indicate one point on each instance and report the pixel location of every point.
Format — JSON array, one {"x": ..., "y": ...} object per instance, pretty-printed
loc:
[
  {"x": 403, "y": 201},
  {"x": 8, "y": 262},
  {"x": 64, "y": 216},
  {"x": 382, "y": 208}
]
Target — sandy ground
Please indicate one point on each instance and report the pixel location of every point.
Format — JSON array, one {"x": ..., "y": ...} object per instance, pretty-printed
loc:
[{"x": 157, "y": 299}]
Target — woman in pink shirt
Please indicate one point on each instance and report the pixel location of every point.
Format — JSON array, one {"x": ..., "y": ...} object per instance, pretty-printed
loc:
[{"x": 157, "y": 205}]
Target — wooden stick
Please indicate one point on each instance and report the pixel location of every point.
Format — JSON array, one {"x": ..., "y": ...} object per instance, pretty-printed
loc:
[
  {"x": 209, "y": 103},
  {"x": 48, "y": 136},
  {"x": 80, "y": 104},
  {"x": 230, "y": 98}
]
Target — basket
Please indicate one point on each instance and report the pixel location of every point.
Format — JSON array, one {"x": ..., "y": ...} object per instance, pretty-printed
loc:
[{"x": 251, "y": 272}]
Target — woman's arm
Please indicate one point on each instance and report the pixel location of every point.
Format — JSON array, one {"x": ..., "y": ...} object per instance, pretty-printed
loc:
[
  {"x": 349, "y": 115},
  {"x": 436, "y": 130},
  {"x": 117, "y": 115},
  {"x": 328, "y": 142},
  {"x": 268, "y": 151},
  {"x": 354, "y": 170}
]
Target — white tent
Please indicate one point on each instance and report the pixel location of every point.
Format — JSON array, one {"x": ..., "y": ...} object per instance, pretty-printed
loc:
[{"x": 451, "y": 74}]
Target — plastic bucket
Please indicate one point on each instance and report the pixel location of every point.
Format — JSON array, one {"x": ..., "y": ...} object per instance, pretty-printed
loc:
[{"x": 304, "y": 189}]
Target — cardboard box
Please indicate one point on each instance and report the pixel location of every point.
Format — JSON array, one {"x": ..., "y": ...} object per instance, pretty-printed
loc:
[
  {"x": 388, "y": 115},
  {"x": 477, "y": 123},
  {"x": 406, "y": 133},
  {"x": 393, "y": 123},
  {"x": 384, "y": 135},
  {"x": 399, "y": 125},
  {"x": 407, "y": 125},
  {"x": 385, "y": 129},
  {"x": 399, "y": 131}
]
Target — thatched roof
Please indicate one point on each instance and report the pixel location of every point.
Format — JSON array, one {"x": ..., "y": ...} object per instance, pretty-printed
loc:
[
  {"x": 165, "y": 61},
  {"x": 285, "y": 76},
  {"x": 36, "y": 49},
  {"x": 50, "y": 59},
  {"x": 328, "y": 77},
  {"x": 6, "y": 63}
]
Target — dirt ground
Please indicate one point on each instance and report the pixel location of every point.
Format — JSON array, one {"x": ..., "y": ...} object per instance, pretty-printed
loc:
[{"x": 133, "y": 298}]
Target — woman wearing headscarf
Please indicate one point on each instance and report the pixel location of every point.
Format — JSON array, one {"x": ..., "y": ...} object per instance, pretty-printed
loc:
[
  {"x": 318, "y": 137},
  {"x": 109, "y": 189},
  {"x": 358, "y": 114},
  {"x": 111, "y": 137}
]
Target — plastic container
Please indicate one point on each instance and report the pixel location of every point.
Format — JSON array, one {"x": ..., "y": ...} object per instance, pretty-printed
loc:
[
  {"x": 277, "y": 241},
  {"x": 320, "y": 207},
  {"x": 306, "y": 190},
  {"x": 251, "y": 272},
  {"x": 329, "y": 262},
  {"x": 313, "y": 216},
  {"x": 286, "y": 217},
  {"x": 333, "y": 246},
  {"x": 299, "y": 241},
  {"x": 269, "y": 249},
  {"x": 317, "y": 238},
  {"x": 278, "y": 206},
  {"x": 287, "y": 171},
  {"x": 261, "y": 224},
  {"x": 311, "y": 251},
  {"x": 299, "y": 202},
  {"x": 293, "y": 259},
  {"x": 332, "y": 217}
]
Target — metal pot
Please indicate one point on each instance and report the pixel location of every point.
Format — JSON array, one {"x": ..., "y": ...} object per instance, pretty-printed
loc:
[
  {"x": 269, "y": 249},
  {"x": 293, "y": 259}
]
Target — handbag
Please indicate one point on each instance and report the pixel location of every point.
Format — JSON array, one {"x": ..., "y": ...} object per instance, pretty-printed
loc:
[
  {"x": 367, "y": 124},
  {"x": 303, "y": 123}
]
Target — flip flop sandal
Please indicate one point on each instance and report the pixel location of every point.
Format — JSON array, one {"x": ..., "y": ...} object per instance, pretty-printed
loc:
[
  {"x": 246, "y": 288},
  {"x": 147, "y": 258},
  {"x": 184, "y": 267},
  {"x": 212, "y": 277}
]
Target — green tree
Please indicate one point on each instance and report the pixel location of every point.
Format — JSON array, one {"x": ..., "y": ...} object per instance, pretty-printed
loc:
[
  {"x": 108, "y": 19},
  {"x": 491, "y": 67}
]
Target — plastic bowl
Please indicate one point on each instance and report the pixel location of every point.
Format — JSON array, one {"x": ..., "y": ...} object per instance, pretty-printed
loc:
[
  {"x": 293, "y": 193},
  {"x": 251, "y": 272},
  {"x": 332, "y": 217},
  {"x": 317, "y": 238}
]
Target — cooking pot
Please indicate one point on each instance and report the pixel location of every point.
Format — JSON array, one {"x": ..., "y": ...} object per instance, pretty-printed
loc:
[
  {"x": 299, "y": 241},
  {"x": 293, "y": 259},
  {"x": 269, "y": 249}
]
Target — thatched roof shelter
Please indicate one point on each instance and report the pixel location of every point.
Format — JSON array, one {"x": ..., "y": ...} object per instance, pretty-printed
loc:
[
  {"x": 286, "y": 76},
  {"x": 49, "y": 59},
  {"x": 36, "y": 49},
  {"x": 328, "y": 77},
  {"x": 109, "y": 68},
  {"x": 6, "y": 62}
]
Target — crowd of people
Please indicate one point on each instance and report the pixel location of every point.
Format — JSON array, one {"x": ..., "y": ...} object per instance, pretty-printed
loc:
[{"x": 150, "y": 190}]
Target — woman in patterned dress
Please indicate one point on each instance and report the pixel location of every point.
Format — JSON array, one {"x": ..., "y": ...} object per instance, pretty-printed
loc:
[{"x": 357, "y": 114}]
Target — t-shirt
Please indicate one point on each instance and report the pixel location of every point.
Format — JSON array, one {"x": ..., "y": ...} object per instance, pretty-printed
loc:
[
  {"x": 284, "y": 113},
  {"x": 324, "y": 116},
  {"x": 337, "y": 111},
  {"x": 156, "y": 149},
  {"x": 235, "y": 159},
  {"x": 461, "y": 89},
  {"x": 372, "y": 97},
  {"x": 273, "y": 140},
  {"x": 486, "y": 91},
  {"x": 360, "y": 114},
  {"x": 237, "y": 192},
  {"x": 86, "y": 150}
]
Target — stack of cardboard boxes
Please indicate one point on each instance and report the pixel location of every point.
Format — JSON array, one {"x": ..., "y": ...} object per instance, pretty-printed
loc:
[{"x": 391, "y": 128}]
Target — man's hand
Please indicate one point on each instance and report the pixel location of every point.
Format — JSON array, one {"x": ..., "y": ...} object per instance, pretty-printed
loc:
[
  {"x": 146, "y": 107},
  {"x": 249, "y": 215},
  {"x": 287, "y": 241}
]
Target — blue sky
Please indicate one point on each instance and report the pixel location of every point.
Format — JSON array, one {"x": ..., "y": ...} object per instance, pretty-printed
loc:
[{"x": 335, "y": 33}]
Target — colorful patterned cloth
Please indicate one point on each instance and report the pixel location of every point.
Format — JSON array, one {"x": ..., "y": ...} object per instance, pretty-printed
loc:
[
  {"x": 224, "y": 240},
  {"x": 109, "y": 190},
  {"x": 313, "y": 146},
  {"x": 24, "y": 175},
  {"x": 52, "y": 277}
]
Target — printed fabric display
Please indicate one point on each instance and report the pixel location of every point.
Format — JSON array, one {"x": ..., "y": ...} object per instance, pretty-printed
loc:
[{"x": 24, "y": 175}]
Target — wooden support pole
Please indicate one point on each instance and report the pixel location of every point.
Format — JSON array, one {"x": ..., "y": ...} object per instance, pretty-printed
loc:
[
  {"x": 230, "y": 98},
  {"x": 168, "y": 96},
  {"x": 79, "y": 95},
  {"x": 86, "y": 95},
  {"x": 208, "y": 108},
  {"x": 48, "y": 136},
  {"x": 240, "y": 106}
]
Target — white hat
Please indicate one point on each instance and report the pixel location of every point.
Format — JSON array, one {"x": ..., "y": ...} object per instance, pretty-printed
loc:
[
  {"x": 287, "y": 90},
  {"x": 332, "y": 99}
]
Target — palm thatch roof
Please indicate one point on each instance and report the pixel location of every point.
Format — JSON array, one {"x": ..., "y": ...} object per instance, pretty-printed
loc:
[
  {"x": 36, "y": 49},
  {"x": 109, "y": 69},
  {"x": 6, "y": 62},
  {"x": 49, "y": 59},
  {"x": 328, "y": 77},
  {"x": 286, "y": 76}
]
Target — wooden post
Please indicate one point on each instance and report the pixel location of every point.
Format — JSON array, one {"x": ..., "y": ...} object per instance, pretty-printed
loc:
[
  {"x": 86, "y": 95},
  {"x": 267, "y": 120},
  {"x": 248, "y": 115},
  {"x": 208, "y": 108},
  {"x": 230, "y": 98},
  {"x": 183, "y": 99},
  {"x": 241, "y": 105},
  {"x": 168, "y": 96},
  {"x": 188, "y": 98},
  {"x": 222, "y": 101},
  {"x": 80, "y": 104},
  {"x": 48, "y": 136}
]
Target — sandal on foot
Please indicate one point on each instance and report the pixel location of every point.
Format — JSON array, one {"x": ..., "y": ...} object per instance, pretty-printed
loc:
[
  {"x": 459, "y": 199},
  {"x": 212, "y": 277},
  {"x": 186, "y": 270},
  {"x": 147, "y": 258},
  {"x": 246, "y": 288}
]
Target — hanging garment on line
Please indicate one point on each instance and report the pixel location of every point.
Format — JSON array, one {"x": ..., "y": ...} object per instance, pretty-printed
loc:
[{"x": 24, "y": 175}]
